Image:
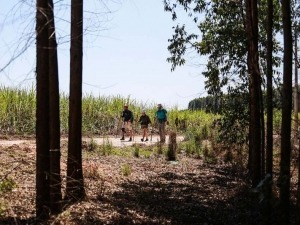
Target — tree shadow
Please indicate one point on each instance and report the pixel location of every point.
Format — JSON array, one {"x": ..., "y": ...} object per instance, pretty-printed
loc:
[
  {"x": 18, "y": 221},
  {"x": 216, "y": 198}
]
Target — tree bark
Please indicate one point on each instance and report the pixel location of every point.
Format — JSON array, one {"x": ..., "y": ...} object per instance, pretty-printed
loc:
[
  {"x": 172, "y": 147},
  {"x": 284, "y": 193},
  {"x": 296, "y": 124},
  {"x": 255, "y": 82},
  {"x": 269, "y": 149},
  {"x": 75, "y": 185},
  {"x": 42, "y": 112},
  {"x": 55, "y": 176}
]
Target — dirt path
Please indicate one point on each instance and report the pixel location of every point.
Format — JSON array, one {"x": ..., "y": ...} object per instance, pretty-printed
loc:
[{"x": 115, "y": 141}]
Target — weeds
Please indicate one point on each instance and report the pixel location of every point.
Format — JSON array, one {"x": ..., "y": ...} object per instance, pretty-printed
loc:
[
  {"x": 136, "y": 151},
  {"x": 92, "y": 145},
  {"x": 6, "y": 186},
  {"x": 106, "y": 148},
  {"x": 126, "y": 170}
]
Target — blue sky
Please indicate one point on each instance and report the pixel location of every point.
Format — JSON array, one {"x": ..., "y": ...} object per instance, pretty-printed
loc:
[{"x": 126, "y": 55}]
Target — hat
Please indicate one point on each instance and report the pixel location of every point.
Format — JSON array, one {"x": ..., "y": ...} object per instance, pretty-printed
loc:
[
  {"x": 159, "y": 105},
  {"x": 125, "y": 106}
]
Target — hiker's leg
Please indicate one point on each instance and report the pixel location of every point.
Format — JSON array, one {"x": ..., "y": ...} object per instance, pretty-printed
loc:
[
  {"x": 123, "y": 130},
  {"x": 163, "y": 133},
  {"x": 129, "y": 127},
  {"x": 123, "y": 133},
  {"x": 160, "y": 131},
  {"x": 146, "y": 133},
  {"x": 143, "y": 137}
]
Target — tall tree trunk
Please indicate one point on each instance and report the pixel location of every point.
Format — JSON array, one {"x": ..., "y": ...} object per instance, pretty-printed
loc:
[
  {"x": 55, "y": 178},
  {"x": 75, "y": 185},
  {"x": 269, "y": 149},
  {"x": 42, "y": 111},
  {"x": 286, "y": 115},
  {"x": 296, "y": 111},
  {"x": 296, "y": 96},
  {"x": 263, "y": 134},
  {"x": 255, "y": 85}
]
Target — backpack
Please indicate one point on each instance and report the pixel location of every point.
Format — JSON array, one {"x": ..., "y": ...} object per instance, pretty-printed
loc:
[{"x": 161, "y": 115}]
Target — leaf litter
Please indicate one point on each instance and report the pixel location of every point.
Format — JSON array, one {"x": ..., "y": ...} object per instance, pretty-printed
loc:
[{"x": 153, "y": 191}]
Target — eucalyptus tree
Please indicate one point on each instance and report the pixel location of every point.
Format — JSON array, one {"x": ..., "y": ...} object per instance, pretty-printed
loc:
[
  {"x": 42, "y": 111},
  {"x": 269, "y": 136},
  {"x": 296, "y": 28},
  {"x": 54, "y": 116},
  {"x": 226, "y": 43},
  {"x": 48, "y": 180},
  {"x": 255, "y": 101},
  {"x": 285, "y": 153},
  {"x": 75, "y": 185}
]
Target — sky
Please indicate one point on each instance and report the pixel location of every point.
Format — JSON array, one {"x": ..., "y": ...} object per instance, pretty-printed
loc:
[{"x": 125, "y": 51}]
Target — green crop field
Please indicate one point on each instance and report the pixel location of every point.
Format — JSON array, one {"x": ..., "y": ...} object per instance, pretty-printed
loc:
[{"x": 101, "y": 114}]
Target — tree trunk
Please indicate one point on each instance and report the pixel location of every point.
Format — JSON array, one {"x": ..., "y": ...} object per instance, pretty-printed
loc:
[
  {"x": 75, "y": 185},
  {"x": 172, "y": 147},
  {"x": 296, "y": 96},
  {"x": 55, "y": 178},
  {"x": 286, "y": 115},
  {"x": 255, "y": 82},
  {"x": 296, "y": 111},
  {"x": 42, "y": 112},
  {"x": 269, "y": 149}
]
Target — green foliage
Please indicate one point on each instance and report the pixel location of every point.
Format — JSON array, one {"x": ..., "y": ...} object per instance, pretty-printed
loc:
[
  {"x": 277, "y": 121},
  {"x": 101, "y": 114},
  {"x": 2, "y": 207},
  {"x": 106, "y": 148},
  {"x": 7, "y": 185},
  {"x": 136, "y": 151},
  {"x": 215, "y": 104},
  {"x": 192, "y": 149},
  {"x": 17, "y": 111},
  {"x": 159, "y": 149},
  {"x": 233, "y": 125},
  {"x": 208, "y": 154},
  {"x": 223, "y": 40},
  {"x": 92, "y": 145},
  {"x": 126, "y": 170}
]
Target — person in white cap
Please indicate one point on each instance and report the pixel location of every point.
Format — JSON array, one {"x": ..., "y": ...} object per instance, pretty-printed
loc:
[
  {"x": 144, "y": 121},
  {"x": 161, "y": 120},
  {"x": 127, "y": 116}
]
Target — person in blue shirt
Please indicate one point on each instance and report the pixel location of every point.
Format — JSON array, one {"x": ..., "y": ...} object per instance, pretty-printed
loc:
[{"x": 161, "y": 120}]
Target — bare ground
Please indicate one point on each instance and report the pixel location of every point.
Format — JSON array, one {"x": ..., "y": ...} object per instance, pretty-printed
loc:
[{"x": 185, "y": 192}]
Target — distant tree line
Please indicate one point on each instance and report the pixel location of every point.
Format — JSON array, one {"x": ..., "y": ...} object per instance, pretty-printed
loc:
[{"x": 215, "y": 104}]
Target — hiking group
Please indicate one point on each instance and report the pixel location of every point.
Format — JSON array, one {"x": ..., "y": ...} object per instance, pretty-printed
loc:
[{"x": 144, "y": 120}]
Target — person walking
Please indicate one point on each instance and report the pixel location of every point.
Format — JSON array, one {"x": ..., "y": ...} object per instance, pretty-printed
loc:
[
  {"x": 144, "y": 121},
  {"x": 127, "y": 116},
  {"x": 161, "y": 120}
]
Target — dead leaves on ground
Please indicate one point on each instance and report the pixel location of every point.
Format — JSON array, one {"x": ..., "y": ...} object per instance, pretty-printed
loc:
[{"x": 155, "y": 191}]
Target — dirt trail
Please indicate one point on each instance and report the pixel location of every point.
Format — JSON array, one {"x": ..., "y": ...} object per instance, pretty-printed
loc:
[{"x": 115, "y": 141}]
